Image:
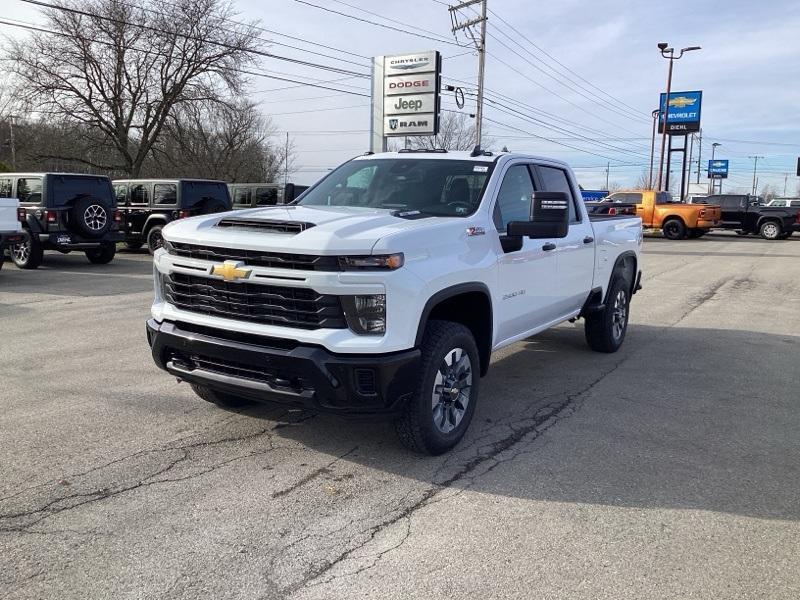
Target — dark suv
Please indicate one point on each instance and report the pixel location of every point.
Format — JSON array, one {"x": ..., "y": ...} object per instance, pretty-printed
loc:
[
  {"x": 63, "y": 212},
  {"x": 149, "y": 204}
]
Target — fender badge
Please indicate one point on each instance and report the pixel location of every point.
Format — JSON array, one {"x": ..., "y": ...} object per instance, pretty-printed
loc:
[{"x": 472, "y": 231}]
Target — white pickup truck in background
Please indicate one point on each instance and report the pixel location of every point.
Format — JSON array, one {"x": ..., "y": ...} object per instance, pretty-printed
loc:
[
  {"x": 384, "y": 289},
  {"x": 10, "y": 225}
]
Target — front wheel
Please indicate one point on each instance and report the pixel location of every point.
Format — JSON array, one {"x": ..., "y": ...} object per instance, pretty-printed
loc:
[
  {"x": 605, "y": 330},
  {"x": 770, "y": 230},
  {"x": 29, "y": 253},
  {"x": 155, "y": 239},
  {"x": 674, "y": 229},
  {"x": 101, "y": 255},
  {"x": 438, "y": 415}
]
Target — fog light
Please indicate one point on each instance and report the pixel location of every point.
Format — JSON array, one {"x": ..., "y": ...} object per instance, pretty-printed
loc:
[{"x": 366, "y": 314}]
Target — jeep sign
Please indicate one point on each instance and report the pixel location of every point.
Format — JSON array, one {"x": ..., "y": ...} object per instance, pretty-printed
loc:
[
  {"x": 405, "y": 96},
  {"x": 413, "y": 84},
  {"x": 416, "y": 103}
]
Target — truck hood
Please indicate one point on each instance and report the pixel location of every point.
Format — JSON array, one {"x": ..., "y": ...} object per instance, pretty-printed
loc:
[{"x": 325, "y": 229}]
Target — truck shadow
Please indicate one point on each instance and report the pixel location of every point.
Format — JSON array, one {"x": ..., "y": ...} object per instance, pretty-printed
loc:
[{"x": 644, "y": 428}]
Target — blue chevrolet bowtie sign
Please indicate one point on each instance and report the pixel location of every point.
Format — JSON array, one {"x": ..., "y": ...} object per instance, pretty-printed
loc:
[
  {"x": 718, "y": 169},
  {"x": 684, "y": 112}
]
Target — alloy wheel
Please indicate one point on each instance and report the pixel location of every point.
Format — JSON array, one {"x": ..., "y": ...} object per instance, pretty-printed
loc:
[
  {"x": 619, "y": 314},
  {"x": 771, "y": 230},
  {"x": 451, "y": 390},
  {"x": 21, "y": 252},
  {"x": 95, "y": 217}
]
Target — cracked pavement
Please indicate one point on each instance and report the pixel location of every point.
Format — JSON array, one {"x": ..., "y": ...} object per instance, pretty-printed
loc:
[{"x": 667, "y": 470}]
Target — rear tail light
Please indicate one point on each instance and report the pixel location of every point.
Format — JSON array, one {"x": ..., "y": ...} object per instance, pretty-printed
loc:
[
  {"x": 797, "y": 219},
  {"x": 702, "y": 212},
  {"x": 51, "y": 216},
  {"x": 117, "y": 216},
  {"x": 612, "y": 211},
  {"x": 22, "y": 215},
  {"x": 182, "y": 214}
]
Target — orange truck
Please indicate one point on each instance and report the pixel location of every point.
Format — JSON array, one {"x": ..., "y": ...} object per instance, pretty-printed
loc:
[{"x": 676, "y": 220}]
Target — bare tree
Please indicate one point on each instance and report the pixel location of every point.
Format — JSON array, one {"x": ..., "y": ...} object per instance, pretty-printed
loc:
[
  {"x": 456, "y": 132},
  {"x": 123, "y": 68},
  {"x": 643, "y": 183},
  {"x": 233, "y": 142}
]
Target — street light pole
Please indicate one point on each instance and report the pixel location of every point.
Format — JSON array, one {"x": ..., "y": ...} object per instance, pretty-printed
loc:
[
  {"x": 653, "y": 148},
  {"x": 710, "y": 180},
  {"x": 669, "y": 54}
]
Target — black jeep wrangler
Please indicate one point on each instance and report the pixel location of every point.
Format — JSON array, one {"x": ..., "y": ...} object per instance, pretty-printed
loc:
[
  {"x": 63, "y": 212},
  {"x": 149, "y": 204}
]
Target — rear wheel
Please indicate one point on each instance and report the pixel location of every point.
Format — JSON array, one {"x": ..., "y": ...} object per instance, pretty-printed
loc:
[
  {"x": 673, "y": 229},
  {"x": 155, "y": 239},
  {"x": 771, "y": 230},
  {"x": 219, "y": 398},
  {"x": 29, "y": 253},
  {"x": 437, "y": 416},
  {"x": 101, "y": 255},
  {"x": 605, "y": 330}
]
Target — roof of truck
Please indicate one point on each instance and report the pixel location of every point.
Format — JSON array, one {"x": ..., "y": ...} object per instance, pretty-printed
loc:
[{"x": 459, "y": 155}]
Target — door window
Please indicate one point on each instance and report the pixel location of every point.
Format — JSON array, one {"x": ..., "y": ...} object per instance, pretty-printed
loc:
[
  {"x": 514, "y": 198},
  {"x": 266, "y": 196},
  {"x": 5, "y": 188},
  {"x": 121, "y": 193},
  {"x": 241, "y": 196},
  {"x": 165, "y": 193},
  {"x": 29, "y": 189},
  {"x": 140, "y": 194},
  {"x": 556, "y": 180}
]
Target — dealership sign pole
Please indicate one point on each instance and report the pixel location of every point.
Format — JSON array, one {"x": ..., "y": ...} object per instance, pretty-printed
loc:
[{"x": 405, "y": 96}]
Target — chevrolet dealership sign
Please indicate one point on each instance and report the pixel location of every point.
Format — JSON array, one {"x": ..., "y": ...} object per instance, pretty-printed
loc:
[
  {"x": 405, "y": 96},
  {"x": 683, "y": 112}
]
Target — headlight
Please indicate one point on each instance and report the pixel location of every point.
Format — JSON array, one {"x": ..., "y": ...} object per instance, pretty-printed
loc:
[
  {"x": 373, "y": 262},
  {"x": 366, "y": 314},
  {"x": 169, "y": 247}
]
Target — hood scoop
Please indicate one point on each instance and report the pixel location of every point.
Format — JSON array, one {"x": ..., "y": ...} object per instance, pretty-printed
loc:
[{"x": 290, "y": 227}]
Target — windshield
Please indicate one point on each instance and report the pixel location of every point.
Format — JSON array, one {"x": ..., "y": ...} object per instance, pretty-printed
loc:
[{"x": 447, "y": 188}]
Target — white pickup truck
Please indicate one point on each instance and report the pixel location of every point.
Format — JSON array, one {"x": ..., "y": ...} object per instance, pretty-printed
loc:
[
  {"x": 10, "y": 225},
  {"x": 383, "y": 290}
]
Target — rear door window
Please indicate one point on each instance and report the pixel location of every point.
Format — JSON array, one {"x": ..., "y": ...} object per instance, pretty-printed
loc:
[
  {"x": 193, "y": 192},
  {"x": 556, "y": 180},
  {"x": 121, "y": 193},
  {"x": 140, "y": 194},
  {"x": 165, "y": 193},
  {"x": 5, "y": 187},
  {"x": 266, "y": 196},
  {"x": 29, "y": 189}
]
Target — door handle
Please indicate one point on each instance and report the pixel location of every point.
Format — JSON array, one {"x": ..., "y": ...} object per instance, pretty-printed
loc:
[
  {"x": 549, "y": 246},
  {"x": 588, "y": 239}
]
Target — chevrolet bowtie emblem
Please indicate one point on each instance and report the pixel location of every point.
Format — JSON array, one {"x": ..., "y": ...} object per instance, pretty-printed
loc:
[
  {"x": 230, "y": 270},
  {"x": 682, "y": 102}
]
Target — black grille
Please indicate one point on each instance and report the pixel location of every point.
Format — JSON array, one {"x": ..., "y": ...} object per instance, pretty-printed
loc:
[
  {"x": 268, "y": 304},
  {"x": 276, "y": 378},
  {"x": 255, "y": 258},
  {"x": 293, "y": 227},
  {"x": 236, "y": 336}
]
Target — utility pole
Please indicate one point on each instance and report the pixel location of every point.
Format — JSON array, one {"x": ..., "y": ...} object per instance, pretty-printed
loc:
[
  {"x": 699, "y": 153},
  {"x": 13, "y": 145},
  {"x": 480, "y": 43},
  {"x": 755, "y": 170},
  {"x": 608, "y": 168},
  {"x": 653, "y": 148},
  {"x": 286, "y": 162},
  {"x": 785, "y": 182}
]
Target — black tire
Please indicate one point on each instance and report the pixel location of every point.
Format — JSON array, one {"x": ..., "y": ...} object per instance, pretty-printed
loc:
[
  {"x": 770, "y": 230},
  {"x": 154, "y": 239},
  {"x": 91, "y": 217},
  {"x": 133, "y": 245},
  {"x": 673, "y": 229},
  {"x": 219, "y": 398},
  {"x": 102, "y": 255},
  {"x": 436, "y": 428},
  {"x": 28, "y": 254},
  {"x": 605, "y": 331}
]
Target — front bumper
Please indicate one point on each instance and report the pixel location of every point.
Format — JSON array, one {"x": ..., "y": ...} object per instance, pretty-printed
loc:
[
  {"x": 278, "y": 370},
  {"x": 70, "y": 241}
]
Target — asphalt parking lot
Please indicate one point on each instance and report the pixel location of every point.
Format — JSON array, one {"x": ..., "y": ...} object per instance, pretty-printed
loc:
[{"x": 668, "y": 470}]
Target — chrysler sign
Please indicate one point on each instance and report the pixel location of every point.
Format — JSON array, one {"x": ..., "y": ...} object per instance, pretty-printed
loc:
[{"x": 407, "y": 101}]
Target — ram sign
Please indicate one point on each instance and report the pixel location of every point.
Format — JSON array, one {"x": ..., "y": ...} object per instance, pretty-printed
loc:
[
  {"x": 718, "y": 169},
  {"x": 410, "y": 94},
  {"x": 683, "y": 114}
]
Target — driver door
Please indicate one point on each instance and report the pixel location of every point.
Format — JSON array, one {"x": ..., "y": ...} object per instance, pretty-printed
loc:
[{"x": 526, "y": 268}]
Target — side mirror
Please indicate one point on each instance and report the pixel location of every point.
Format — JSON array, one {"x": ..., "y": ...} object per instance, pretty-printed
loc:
[{"x": 549, "y": 218}]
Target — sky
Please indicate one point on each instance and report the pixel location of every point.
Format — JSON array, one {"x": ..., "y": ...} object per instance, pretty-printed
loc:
[{"x": 589, "y": 73}]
